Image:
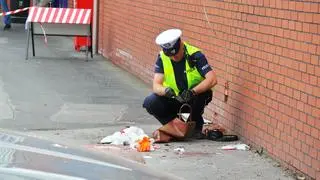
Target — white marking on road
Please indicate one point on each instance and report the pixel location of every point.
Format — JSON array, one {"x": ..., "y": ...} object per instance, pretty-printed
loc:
[
  {"x": 61, "y": 155},
  {"x": 6, "y": 156},
  {"x": 37, "y": 174}
]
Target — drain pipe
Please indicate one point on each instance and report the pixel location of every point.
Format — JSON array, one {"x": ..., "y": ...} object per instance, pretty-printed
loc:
[{"x": 95, "y": 25}]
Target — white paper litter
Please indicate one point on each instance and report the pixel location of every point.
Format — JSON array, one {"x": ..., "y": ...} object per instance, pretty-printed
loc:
[
  {"x": 128, "y": 136},
  {"x": 179, "y": 150},
  {"x": 243, "y": 147},
  {"x": 59, "y": 146},
  {"x": 147, "y": 157}
]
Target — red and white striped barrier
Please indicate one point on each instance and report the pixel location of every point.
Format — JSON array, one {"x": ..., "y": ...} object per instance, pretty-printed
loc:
[
  {"x": 59, "y": 22},
  {"x": 59, "y": 15},
  {"x": 14, "y": 12}
]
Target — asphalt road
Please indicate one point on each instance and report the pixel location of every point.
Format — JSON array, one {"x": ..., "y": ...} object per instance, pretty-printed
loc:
[{"x": 58, "y": 89}]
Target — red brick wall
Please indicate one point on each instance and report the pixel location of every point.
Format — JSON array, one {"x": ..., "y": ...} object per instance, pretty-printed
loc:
[{"x": 268, "y": 51}]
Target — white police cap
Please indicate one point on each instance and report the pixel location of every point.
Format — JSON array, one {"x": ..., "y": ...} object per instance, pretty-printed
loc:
[{"x": 168, "y": 38}]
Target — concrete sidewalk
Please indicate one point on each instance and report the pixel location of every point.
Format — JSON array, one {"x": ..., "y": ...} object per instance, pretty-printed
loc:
[{"x": 59, "y": 96}]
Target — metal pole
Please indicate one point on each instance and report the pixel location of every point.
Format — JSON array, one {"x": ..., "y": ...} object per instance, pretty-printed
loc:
[
  {"x": 92, "y": 45},
  {"x": 28, "y": 41},
  {"x": 87, "y": 49},
  {"x": 32, "y": 39},
  {"x": 95, "y": 26}
]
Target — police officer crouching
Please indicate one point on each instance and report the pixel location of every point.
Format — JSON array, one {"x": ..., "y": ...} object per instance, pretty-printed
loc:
[{"x": 182, "y": 75}]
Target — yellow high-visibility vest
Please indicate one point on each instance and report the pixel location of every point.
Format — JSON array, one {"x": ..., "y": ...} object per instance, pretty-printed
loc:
[{"x": 193, "y": 75}]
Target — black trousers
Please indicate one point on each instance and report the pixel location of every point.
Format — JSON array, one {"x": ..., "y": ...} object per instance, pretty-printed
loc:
[{"x": 165, "y": 109}]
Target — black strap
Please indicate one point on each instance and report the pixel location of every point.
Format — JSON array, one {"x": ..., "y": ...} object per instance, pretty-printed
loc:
[
  {"x": 191, "y": 63},
  {"x": 228, "y": 138}
]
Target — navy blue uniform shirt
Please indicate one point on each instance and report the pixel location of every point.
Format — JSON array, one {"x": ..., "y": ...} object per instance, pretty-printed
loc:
[{"x": 201, "y": 64}]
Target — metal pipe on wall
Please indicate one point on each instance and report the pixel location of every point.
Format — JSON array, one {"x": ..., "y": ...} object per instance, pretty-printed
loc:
[{"x": 95, "y": 25}]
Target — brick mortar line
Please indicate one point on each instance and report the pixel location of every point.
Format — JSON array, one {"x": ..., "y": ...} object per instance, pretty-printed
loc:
[
  {"x": 267, "y": 113},
  {"x": 243, "y": 4},
  {"x": 152, "y": 21},
  {"x": 269, "y": 7},
  {"x": 252, "y": 22},
  {"x": 238, "y": 19},
  {"x": 283, "y": 141},
  {"x": 267, "y": 25},
  {"x": 261, "y": 41},
  {"x": 241, "y": 12},
  {"x": 236, "y": 27},
  {"x": 245, "y": 46},
  {"x": 273, "y": 81}
]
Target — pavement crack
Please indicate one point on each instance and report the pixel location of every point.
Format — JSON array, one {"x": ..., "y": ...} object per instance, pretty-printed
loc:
[
  {"x": 46, "y": 129},
  {"x": 7, "y": 110},
  {"x": 12, "y": 108}
]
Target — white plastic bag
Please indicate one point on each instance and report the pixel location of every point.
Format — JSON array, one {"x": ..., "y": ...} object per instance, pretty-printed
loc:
[
  {"x": 128, "y": 136},
  {"x": 243, "y": 147}
]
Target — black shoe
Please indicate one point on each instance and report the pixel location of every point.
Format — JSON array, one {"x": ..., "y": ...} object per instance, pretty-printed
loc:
[
  {"x": 7, "y": 27},
  {"x": 216, "y": 135},
  {"x": 197, "y": 134}
]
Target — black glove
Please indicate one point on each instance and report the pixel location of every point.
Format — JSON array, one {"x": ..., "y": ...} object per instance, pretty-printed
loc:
[
  {"x": 169, "y": 93},
  {"x": 186, "y": 96}
]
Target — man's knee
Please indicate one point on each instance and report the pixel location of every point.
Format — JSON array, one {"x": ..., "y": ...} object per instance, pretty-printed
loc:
[{"x": 149, "y": 102}]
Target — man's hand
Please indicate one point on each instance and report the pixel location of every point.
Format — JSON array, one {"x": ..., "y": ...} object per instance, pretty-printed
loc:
[
  {"x": 186, "y": 96},
  {"x": 169, "y": 93}
]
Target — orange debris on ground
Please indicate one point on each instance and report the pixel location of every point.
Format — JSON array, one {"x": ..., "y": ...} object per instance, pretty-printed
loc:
[{"x": 144, "y": 145}]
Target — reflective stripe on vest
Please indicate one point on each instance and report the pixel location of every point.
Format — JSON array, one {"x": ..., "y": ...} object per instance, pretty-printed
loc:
[{"x": 193, "y": 75}]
